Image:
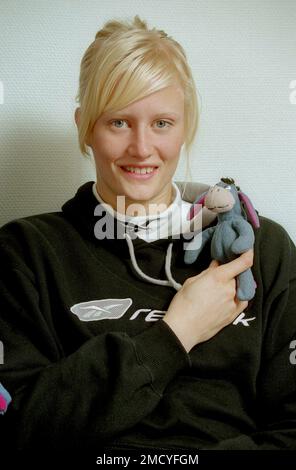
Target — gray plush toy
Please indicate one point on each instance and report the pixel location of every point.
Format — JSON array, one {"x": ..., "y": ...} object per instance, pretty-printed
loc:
[
  {"x": 5, "y": 399},
  {"x": 232, "y": 235}
]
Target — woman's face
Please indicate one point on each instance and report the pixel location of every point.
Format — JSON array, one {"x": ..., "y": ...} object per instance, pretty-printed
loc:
[{"x": 137, "y": 149}]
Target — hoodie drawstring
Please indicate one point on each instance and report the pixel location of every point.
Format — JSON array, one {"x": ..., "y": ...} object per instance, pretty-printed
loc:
[{"x": 168, "y": 259}]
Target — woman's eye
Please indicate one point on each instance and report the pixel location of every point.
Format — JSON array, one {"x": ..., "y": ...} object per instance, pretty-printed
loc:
[
  {"x": 165, "y": 122},
  {"x": 168, "y": 124},
  {"x": 117, "y": 120}
]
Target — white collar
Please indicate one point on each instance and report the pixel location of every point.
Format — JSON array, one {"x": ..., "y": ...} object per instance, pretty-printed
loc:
[{"x": 172, "y": 221}]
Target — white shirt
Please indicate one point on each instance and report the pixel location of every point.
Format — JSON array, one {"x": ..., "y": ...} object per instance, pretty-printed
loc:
[{"x": 171, "y": 221}]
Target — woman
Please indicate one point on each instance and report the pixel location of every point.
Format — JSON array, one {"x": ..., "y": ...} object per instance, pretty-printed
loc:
[{"x": 110, "y": 338}]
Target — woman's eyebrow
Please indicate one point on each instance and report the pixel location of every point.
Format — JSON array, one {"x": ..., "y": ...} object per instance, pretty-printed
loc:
[
  {"x": 167, "y": 113},
  {"x": 164, "y": 113}
]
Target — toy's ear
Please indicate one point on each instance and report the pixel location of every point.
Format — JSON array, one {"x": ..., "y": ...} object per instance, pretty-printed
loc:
[
  {"x": 251, "y": 213},
  {"x": 196, "y": 206},
  {"x": 5, "y": 399}
]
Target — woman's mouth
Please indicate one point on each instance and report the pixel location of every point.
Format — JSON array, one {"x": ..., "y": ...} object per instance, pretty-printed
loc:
[{"x": 136, "y": 172}]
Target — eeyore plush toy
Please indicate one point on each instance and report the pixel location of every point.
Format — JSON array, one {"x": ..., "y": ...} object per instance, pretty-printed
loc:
[
  {"x": 232, "y": 235},
  {"x": 5, "y": 399}
]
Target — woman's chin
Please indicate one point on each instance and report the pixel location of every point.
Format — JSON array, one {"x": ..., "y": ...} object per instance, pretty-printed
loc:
[{"x": 138, "y": 197}]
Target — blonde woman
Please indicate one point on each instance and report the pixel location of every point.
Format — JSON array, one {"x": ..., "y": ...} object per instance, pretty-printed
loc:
[{"x": 110, "y": 338}]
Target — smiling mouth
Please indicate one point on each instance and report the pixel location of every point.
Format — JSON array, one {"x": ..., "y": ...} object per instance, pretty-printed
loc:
[
  {"x": 217, "y": 207},
  {"x": 144, "y": 170}
]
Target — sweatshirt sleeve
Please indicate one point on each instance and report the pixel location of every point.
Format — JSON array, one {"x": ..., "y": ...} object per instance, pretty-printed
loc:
[
  {"x": 276, "y": 381},
  {"x": 105, "y": 387}
]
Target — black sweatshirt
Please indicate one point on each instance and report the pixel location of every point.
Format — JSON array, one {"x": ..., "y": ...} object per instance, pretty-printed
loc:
[{"x": 89, "y": 360}]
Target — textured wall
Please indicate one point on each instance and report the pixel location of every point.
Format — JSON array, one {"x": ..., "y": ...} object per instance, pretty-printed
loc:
[{"x": 243, "y": 58}]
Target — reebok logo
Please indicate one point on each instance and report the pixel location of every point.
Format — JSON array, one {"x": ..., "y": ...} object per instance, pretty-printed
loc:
[
  {"x": 241, "y": 319},
  {"x": 107, "y": 309},
  {"x": 112, "y": 309}
]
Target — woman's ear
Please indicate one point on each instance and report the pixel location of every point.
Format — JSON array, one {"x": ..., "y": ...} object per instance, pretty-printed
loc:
[
  {"x": 77, "y": 116},
  {"x": 77, "y": 120}
]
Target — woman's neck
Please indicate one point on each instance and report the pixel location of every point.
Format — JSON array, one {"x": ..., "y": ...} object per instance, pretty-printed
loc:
[{"x": 129, "y": 207}]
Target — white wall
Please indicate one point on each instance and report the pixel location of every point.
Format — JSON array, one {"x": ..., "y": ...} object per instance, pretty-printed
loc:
[{"x": 243, "y": 56}]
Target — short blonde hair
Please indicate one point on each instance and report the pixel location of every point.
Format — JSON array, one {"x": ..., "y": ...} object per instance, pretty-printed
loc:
[{"x": 127, "y": 62}]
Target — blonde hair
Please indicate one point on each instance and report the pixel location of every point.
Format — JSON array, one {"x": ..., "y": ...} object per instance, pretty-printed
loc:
[{"x": 127, "y": 62}]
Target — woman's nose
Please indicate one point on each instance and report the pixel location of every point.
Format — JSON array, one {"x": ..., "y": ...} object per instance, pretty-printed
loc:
[{"x": 141, "y": 144}]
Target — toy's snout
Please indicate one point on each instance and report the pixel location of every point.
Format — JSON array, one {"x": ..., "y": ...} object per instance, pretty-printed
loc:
[{"x": 219, "y": 199}]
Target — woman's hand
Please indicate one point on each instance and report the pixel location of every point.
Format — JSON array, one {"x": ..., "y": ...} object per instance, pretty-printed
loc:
[{"x": 206, "y": 303}]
